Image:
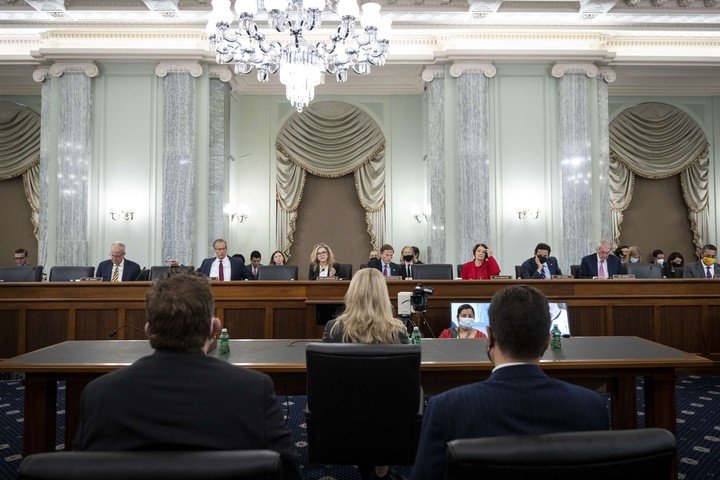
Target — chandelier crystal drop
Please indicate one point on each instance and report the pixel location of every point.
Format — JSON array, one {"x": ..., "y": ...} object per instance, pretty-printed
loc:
[{"x": 301, "y": 66}]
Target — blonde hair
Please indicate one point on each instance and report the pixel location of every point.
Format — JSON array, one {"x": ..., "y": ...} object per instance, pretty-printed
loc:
[
  {"x": 313, "y": 256},
  {"x": 632, "y": 251},
  {"x": 368, "y": 316}
]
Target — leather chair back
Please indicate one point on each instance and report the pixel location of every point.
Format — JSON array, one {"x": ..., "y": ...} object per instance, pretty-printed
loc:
[
  {"x": 156, "y": 465},
  {"x": 644, "y": 270},
  {"x": 344, "y": 271},
  {"x": 518, "y": 271},
  {"x": 21, "y": 274},
  {"x": 575, "y": 271},
  {"x": 277, "y": 272},
  {"x": 432, "y": 271},
  {"x": 68, "y": 274},
  {"x": 601, "y": 455},
  {"x": 364, "y": 403}
]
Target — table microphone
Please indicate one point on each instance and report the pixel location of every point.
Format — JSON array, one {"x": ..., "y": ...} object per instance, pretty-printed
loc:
[{"x": 115, "y": 332}]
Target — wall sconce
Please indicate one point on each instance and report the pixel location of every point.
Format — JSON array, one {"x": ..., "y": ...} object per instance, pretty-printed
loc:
[
  {"x": 236, "y": 212},
  {"x": 533, "y": 213},
  {"x": 122, "y": 215},
  {"x": 421, "y": 215}
]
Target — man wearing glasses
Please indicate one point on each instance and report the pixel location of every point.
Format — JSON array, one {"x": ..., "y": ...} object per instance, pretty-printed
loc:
[
  {"x": 224, "y": 268},
  {"x": 21, "y": 258},
  {"x": 118, "y": 268},
  {"x": 706, "y": 266}
]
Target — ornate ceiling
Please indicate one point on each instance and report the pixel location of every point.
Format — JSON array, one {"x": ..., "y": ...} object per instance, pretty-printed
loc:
[{"x": 663, "y": 47}]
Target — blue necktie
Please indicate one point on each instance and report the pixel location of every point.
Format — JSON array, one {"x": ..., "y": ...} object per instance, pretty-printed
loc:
[{"x": 709, "y": 275}]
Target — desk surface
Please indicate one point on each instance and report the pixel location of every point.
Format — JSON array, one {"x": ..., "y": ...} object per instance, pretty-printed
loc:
[{"x": 289, "y": 355}]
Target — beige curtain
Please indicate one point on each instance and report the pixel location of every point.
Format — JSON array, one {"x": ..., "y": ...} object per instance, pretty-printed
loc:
[
  {"x": 20, "y": 151},
  {"x": 330, "y": 139},
  {"x": 656, "y": 140}
]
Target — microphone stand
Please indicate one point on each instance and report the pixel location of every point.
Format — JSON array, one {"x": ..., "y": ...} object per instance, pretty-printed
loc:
[{"x": 115, "y": 332}]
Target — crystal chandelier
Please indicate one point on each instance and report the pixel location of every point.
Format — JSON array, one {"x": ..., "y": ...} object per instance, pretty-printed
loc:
[{"x": 301, "y": 65}]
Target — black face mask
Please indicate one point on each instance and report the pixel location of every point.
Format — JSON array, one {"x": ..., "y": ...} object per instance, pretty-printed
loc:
[
  {"x": 408, "y": 258},
  {"x": 677, "y": 263},
  {"x": 542, "y": 259}
]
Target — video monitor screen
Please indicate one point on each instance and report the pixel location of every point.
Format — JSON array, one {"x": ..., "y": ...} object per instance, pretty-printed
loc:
[{"x": 558, "y": 315}]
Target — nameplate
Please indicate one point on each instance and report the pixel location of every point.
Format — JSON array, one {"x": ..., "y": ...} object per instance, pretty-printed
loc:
[
  {"x": 623, "y": 275},
  {"x": 328, "y": 278},
  {"x": 502, "y": 277},
  {"x": 394, "y": 277},
  {"x": 91, "y": 279},
  {"x": 562, "y": 276}
]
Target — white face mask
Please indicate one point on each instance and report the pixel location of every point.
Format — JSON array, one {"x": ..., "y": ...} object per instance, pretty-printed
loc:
[
  {"x": 466, "y": 323},
  {"x": 634, "y": 260},
  {"x": 660, "y": 261}
]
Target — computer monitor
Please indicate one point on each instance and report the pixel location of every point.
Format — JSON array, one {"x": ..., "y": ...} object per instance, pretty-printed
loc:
[{"x": 558, "y": 315}]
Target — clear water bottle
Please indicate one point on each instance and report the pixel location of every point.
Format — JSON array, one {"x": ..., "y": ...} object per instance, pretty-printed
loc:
[
  {"x": 416, "y": 337},
  {"x": 224, "y": 343},
  {"x": 556, "y": 337}
]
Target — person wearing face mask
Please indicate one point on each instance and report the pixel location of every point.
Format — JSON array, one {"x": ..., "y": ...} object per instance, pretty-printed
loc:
[
  {"x": 633, "y": 255},
  {"x": 542, "y": 265},
  {"x": 408, "y": 261},
  {"x": 465, "y": 320},
  {"x": 706, "y": 266},
  {"x": 658, "y": 257},
  {"x": 673, "y": 268}
]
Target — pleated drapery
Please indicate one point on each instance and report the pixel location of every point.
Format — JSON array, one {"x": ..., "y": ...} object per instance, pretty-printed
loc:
[
  {"x": 435, "y": 98},
  {"x": 330, "y": 139},
  {"x": 20, "y": 152},
  {"x": 656, "y": 140}
]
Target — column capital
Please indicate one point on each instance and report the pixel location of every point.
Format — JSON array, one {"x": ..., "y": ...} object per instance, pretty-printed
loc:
[
  {"x": 431, "y": 72},
  {"x": 40, "y": 74},
  {"x": 486, "y": 68},
  {"x": 607, "y": 74},
  {"x": 193, "y": 68},
  {"x": 59, "y": 69},
  {"x": 224, "y": 74},
  {"x": 560, "y": 69}
]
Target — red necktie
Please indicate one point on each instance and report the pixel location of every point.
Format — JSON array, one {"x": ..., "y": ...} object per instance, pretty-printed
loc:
[
  {"x": 385, "y": 271},
  {"x": 221, "y": 274}
]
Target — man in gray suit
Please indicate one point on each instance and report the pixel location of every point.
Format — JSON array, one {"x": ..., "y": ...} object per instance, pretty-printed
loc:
[{"x": 706, "y": 266}]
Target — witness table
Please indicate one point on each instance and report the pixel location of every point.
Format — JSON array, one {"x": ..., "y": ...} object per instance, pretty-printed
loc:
[{"x": 604, "y": 363}]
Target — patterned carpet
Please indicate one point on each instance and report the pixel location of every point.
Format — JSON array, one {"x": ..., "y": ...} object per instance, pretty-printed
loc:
[{"x": 698, "y": 418}]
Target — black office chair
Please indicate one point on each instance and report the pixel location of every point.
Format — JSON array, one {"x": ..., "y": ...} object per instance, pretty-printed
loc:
[
  {"x": 158, "y": 271},
  {"x": 459, "y": 269},
  {"x": 575, "y": 271},
  {"x": 21, "y": 274},
  {"x": 432, "y": 271},
  {"x": 644, "y": 270},
  {"x": 601, "y": 455},
  {"x": 155, "y": 465},
  {"x": 277, "y": 272},
  {"x": 344, "y": 271},
  {"x": 378, "y": 387},
  {"x": 518, "y": 271},
  {"x": 69, "y": 274}
]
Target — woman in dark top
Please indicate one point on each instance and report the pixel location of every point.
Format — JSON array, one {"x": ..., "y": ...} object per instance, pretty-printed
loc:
[
  {"x": 322, "y": 262},
  {"x": 277, "y": 258},
  {"x": 674, "y": 266}
]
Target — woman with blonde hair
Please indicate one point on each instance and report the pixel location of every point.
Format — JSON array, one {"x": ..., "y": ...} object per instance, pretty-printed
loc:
[
  {"x": 368, "y": 315},
  {"x": 322, "y": 262}
]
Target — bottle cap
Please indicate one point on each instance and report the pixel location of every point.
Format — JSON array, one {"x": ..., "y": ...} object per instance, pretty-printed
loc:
[{"x": 224, "y": 330}]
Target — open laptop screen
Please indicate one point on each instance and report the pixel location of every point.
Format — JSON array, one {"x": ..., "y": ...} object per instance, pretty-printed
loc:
[{"x": 558, "y": 315}]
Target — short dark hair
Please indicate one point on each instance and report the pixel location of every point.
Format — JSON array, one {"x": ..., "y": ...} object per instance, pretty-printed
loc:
[
  {"x": 478, "y": 245},
  {"x": 619, "y": 249},
  {"x": 255, "y": 254},
  {"x": 416, "y": 251},
  {"x": 179, "y": 311},
  {"x": 520, "y": 321},
  {"x": 709, "y": 246},
  {"x": 657, "y": 252},
  {"x": 386, "y": 246},
  {"x": 465, "y": 306},
  {"x": 543, "y": 246},
  {"x": 22, "y": 250}
]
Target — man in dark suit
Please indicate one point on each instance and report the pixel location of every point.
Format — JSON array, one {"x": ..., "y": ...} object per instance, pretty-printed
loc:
[
  {"x": 706, "y": 266},
  {"x": 222, "y": 267},
  {"x": 255, "y": 259},
  {"x": 385, "y": 264},
  {"x": 518, "y": 398},
  {"x": 180, "y": 398},
  {"x": 601, "y": 264},
  {"x": 542, "y": 265},
  {"x": 118, "y": 268}
]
